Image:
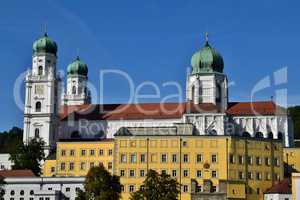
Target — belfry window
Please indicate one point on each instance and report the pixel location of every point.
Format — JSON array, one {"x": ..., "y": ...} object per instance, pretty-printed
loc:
[
  {"x": 40, "y": 70},
  {"x": 218, "y": 93},
  {"x": 73, "y": 90},
  {"x": 38, "y": 106},
  {"x": 193, "y": 93},
  {"x": 37, "y": 133}
]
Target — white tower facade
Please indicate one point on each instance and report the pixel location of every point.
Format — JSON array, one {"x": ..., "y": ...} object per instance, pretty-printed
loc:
[
  {"x": 207, "y": 83},
  {"x": 77, "y": 92},
  {"x": 41, "y": 94}
]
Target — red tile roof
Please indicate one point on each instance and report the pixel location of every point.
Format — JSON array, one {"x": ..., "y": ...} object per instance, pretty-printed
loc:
[
  {"x": 16, "y": 173},
  {"x": 134, "y": 111},
  {"x": 254, "y": 108},
  {"x": 283, "y": 187},
  {"x": 163, "y": 110}
]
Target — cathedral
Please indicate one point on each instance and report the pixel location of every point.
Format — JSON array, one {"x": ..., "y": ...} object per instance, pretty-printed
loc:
[{"x": 51, "y": 114}]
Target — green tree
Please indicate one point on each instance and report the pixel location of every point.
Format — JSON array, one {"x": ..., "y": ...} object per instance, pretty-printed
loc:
[
  {"x": 1, "y": 187},
  {"x": 10, "y": 139},
  {"x": 157, "y": 187},
  {"x": 29, "y": 156},
  {"x": 100, "y": 185}
]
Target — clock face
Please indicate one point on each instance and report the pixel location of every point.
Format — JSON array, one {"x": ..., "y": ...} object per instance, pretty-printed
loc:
[{"x": 39, "y": 89}]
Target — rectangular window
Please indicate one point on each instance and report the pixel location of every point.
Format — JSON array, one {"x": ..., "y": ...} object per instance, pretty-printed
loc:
[
  {"x": 185, "y": 188},
  {"x": 164, "y": 171},
  {"x": 123, "y": 158},
  {"x": 92, "y": 164},
  {"x": 199, "y": 173},
  {"x": 214, "y": 174},
  {"x": 174, "y": 158},
  {"x": 92, "y": 152},
  {"x": 83, "y": 152},
  {"x": 213, "y": 158},
  {"x": 122, "y": 172},
  {"x": 109, "y": 165},
  {"x": 276, "y": 162},
  {"x": 258, "y": 160},
  {"x": 72, "y": 152},
  {"x": 131, "y": 188},
  {"x": 258, "y": 176},
  {"x": 163, "y": 158},
  {"x": 143, "y": 158},
  {"x": 250, "y": 175},
  {"x": 241, "y": 160},
  {"x": 63, "y": 152},
  {"x": 71, "y": 167},
  {"x": 174, "y": 173},
  {"x": 131, "y": 173},
  {"x": 267, "y": 161},
  {"x": 185, "y": 158},
  {"x": 185, "y": 173},
  {"x": 62, "y": 166},
  {"x": 52, "y": 169},
  {"x": 142, "y": 173},
  {"x": 249, "y": 160},
  {"x": 213, "y": 188},
  {"x": 133, "y": 158},
  {"x": 241, "y": 175},
  {"x": 82, "y": 166},
  {"x": 101, "y": 152},
  {"x": 231, "y": 158},
  {"x": 199, "y": 158},
  {"x": 110, "y": 152}
]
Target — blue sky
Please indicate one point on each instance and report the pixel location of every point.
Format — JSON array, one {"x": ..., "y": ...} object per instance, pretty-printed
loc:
[{"x": 153, "y": 41}]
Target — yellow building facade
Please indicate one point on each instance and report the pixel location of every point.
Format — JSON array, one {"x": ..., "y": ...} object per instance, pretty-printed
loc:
[
  {"x": 243, "y": 168},
  {"x": 292, "y": 158},
  {"x": 75, "y": 158}
]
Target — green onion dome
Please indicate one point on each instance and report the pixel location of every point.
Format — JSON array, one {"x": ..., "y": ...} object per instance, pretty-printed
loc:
[
  {"x": 207, "y": 60},
  {"x": 44, "y": 45},
  {"x": 77, "y": 68}
]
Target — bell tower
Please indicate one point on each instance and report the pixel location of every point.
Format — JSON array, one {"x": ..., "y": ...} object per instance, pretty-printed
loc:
[
  {"x": 207, "y": 83},
  {"x": 77, "y": 92},
  {"x": 41, "y": 94}
]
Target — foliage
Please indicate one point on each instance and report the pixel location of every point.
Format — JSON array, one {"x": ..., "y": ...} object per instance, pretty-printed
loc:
[
  {"x": 29, "y": 156},
  {"x": 294, "y": 112},
  {"x": 100, "y": 185},
  {"x": 157, "y": 187},
  {"x": 10, "y": 139},
  {"x": 1, "y": 186}
]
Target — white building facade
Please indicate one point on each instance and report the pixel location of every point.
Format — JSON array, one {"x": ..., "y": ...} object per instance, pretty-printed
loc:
[
  {"x": 39, "y": 188},
  {"x": 5, "y": 163}
]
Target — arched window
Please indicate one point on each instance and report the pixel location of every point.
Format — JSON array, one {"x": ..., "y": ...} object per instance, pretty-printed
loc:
[
  {"x": 270, "y": 135},
  {"x": 218, "y": 93},
  {"x": 38, "y": 106},
  {"x": 280, "y": 136},
  {"x": 74, "y": 90},
  {"x": 75, "y": 134},
  {"x": 259, "y": 135},
  {"x": 246, "y": 134},
  {"x": 37, "y": 133},
  {"x": 40, "y": 71}
]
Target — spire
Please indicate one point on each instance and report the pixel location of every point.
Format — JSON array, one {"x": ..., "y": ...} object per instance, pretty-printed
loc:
[
  {"x": 206, "y": 39},
  {"x": 44, "y": 29}
]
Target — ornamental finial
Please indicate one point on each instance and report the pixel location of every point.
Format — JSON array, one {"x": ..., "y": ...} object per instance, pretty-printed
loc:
[
  {"x": 206, "y": 37},
  {"x": 44, "y": 29},
  {"x": 77, "y": 54}
]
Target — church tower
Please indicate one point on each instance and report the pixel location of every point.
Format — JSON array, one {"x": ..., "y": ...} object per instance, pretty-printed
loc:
[
  {"x": 41, "y": 94},
  {"x": 207, "y": 83},
  {"x": 77, "y": 92}
]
